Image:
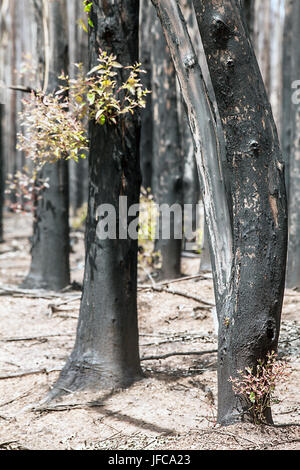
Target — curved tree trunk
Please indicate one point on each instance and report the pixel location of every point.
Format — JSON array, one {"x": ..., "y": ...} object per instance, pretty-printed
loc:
[
  {"x": 249, "y": 324},
  {"x": 50, "y": 246},
  {"x": 106, "y": 352},
  {"x": 208, "y": 151},
  {"x": 249, "y": 281}
]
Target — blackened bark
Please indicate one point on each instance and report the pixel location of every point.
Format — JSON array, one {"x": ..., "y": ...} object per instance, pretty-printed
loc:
[
  {"x": 249, "y": 323},
  {"x": 106, "y": 352},
  {"x": 147, "y": 16},
  {"x": 293, "y": 268},
  {"x": 167, "y": 157},
  {"x": 50, "y": 246},
  {"x": 78, "y": 53}
]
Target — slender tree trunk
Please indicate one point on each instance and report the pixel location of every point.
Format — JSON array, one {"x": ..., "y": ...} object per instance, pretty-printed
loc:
[
  {"x": 249, "y": 324},
  {"x": 249, "y": 11},
  {"x": 293, "y": 268},
  {"x": 191, "y": 189},
  {"x": 286, "y": 112},
  {"x": 106, "y": 352},
  {"x": 78, "y": 53},
  {"x": 168, "y": 164},
  {"x": 50, "y": 246},
  {"x": 147, "y": 17},
  {"x": 262, "y": 40}
]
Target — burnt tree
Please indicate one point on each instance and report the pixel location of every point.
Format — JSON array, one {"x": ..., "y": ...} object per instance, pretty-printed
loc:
[
  {"x": 258, "y": 198},
  {"x": 249, "y": 275},
  {"x": 106, "y": 352}
]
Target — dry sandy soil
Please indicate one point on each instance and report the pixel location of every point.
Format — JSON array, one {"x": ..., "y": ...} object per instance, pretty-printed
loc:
[{"x": 173, "y": 407}]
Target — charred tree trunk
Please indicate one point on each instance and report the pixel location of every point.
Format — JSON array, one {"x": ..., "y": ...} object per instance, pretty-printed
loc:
[
  {"x": 250, "y": 322},
  {"x": 168, "y": 164},
  {"x": 50, "y": 246},
  {"x": 293, "y": 101},
  {"x": 106, "y": 352}
]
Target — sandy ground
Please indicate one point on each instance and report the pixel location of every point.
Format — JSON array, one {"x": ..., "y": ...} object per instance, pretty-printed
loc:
[{"x": 172, "y": 407}]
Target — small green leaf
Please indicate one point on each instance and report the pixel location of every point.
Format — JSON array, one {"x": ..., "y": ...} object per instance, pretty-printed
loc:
[
  {"x": 252, "y": 397},
  {"x": 91, "y": 98}
]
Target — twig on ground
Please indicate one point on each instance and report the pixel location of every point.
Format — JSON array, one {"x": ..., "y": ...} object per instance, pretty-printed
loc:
[
  {"x": 32, "y": 338},
  {"x": 64, "y": 302},
  {"x": 29, "y": 372},
  {"x": 181, "y": 353},
  {"x": 19, "y": 397},
  {"x": 68, "y": 406},
  {"x": 173, "y": 281}
]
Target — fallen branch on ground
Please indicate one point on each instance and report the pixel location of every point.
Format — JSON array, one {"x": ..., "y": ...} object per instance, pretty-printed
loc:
[
  {"x": 33, "y": 293},
  {"x": 187, "y": 353},
  {"x": 29, "y": 372},
  {"x": 180, "y": 293},
  {"x": 68, "y": 406},
  {"x": 31, "y": 338}
]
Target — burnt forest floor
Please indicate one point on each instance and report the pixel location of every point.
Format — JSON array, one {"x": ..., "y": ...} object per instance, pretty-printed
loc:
[{"x": 172, "y": 408}]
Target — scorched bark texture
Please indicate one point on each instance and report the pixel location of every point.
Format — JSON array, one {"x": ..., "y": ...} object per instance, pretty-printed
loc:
[{"x": 250, "y": 322}]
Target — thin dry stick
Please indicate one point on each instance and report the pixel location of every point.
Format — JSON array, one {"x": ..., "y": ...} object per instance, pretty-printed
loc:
[
  {"x": 64, "y": 302},
  {"x": 173, "y": 281},
  {"x": 32, "y": 338},
  {"x": 33, "y": 293},
  {"x": 18, "y": 397},
  {"x": 29, "y": 372},
  {"x": 182, "y": 294},
  {"x": 68, "y": 406},
  {"x": 181, "y": 353}
]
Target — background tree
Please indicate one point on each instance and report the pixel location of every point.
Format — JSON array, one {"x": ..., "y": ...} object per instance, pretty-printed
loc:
[
  {"x": 291, "y": 142},
  {"x": 50, "y": 245},
  {"x": 167, "y": 157},
  {"x": 78, "y": 54}
]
